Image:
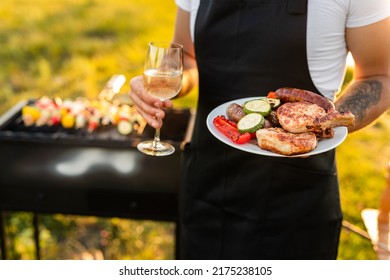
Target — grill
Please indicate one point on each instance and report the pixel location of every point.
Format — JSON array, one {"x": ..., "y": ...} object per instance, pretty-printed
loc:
[{"x": 71, "y": 171}]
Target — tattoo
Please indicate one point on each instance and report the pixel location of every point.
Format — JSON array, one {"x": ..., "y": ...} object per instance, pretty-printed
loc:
[{"x": 364, "y": 95}]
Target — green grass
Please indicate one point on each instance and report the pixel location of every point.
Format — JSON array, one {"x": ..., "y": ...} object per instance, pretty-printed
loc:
[
  {"x": 70, "y": 48},
  {"x": 362, "y": 161}
]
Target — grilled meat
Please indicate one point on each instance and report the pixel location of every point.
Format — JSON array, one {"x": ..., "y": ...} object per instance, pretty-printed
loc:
[
  {"x": 326, "y": 133},
  {"x": 298, "y": 117},
  {"x": 332, "y": 119},
  {"x": 282, "y": 142},
  {"x": 235, "y": 112},
  {"x": 273, "y": 119},
  {"x": 297, "y": 95}
]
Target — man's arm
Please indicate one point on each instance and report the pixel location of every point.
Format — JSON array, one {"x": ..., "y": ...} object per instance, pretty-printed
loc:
[
  {"x": 152, "y": 108},
  {"x": 368, "y": 95},
  {"x": 182, "y": 36}
]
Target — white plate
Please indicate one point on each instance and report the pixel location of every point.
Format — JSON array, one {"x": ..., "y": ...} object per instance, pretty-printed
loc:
[{"x": 340, "y": 133}]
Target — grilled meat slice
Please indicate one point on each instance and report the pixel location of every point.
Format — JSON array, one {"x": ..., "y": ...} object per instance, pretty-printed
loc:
[
  {"x": 282, "y": 142},
  {"x": 332, "y": 119},
  {"x": 273, "y": 119},
  {"x": 296, "y": 117},
  {"x": 325, "y": 134}
]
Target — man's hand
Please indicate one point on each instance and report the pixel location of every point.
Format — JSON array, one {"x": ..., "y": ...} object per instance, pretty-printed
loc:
[{"x": 150, "y": 107}]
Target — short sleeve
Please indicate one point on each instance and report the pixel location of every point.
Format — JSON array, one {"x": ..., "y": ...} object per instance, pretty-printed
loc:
[
  {"x": 365, "y": 12},
  {"x": 184, "y": 4}
]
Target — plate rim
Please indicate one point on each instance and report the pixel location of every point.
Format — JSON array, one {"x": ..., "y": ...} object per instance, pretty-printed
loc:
[{"x": 340, "y": 131}]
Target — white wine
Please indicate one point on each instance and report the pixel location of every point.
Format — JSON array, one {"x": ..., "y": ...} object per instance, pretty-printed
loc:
[
  {"x": 163, "y": 71},
  {"x": 163, "y": 84}
]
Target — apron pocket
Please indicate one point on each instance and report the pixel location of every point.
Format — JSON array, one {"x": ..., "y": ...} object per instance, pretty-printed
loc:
[
  {"x": 303, "y": 218},
  {"x": 301, "y": 193}
]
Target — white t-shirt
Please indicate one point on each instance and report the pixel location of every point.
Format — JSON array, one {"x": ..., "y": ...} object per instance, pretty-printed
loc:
[{"x": 326, "y": 47}]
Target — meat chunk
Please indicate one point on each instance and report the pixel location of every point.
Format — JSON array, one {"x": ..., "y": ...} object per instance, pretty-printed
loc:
[
  {"x": 282, "y": 142},
  {"x": 296, "y": 95},
  {"x": 273, "y": 119},
  {"x": 332, "y": 119},
  {"x": 296, "y": 117},
  {"x": 235, "y": 112}
]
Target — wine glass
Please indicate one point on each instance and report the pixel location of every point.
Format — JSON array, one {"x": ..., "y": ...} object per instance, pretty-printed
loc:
[{"x": 162, "y": 78}]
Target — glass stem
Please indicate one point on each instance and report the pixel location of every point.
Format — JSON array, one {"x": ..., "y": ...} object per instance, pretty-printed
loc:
[{"x": 156, "y": 139}]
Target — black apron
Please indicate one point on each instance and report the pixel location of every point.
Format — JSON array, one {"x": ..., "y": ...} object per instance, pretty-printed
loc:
[{"x": 236, "y": 205}]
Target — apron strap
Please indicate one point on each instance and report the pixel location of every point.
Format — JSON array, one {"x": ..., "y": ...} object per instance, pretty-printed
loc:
[{"x": 297, "y": 7}]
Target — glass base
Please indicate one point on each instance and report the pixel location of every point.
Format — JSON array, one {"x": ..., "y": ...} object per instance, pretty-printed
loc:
[{"x": 156, "y": 149}]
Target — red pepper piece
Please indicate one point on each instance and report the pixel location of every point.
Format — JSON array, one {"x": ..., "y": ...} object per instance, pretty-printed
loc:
[
  {"x": 245, "y": 137},
  {"x": 271, "y": 94},
  {"x": 230, "y": 130},
  {"x": 232, "y": 123},
  {"x": 221, "y": 123}
]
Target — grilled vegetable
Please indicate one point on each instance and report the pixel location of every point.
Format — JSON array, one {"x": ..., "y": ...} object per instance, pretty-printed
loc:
[
  {"x": 250, "y": 123},
  {"x": 271, "y": 94},
  {"x": 235, "y": 112},
  {"x": 229, "y": 130},
  {"x": 274, "y": 102},
  {"x": 30, "y": 115},
  {"x": 259, "y": 106},
  {"x": 125, "y": 127},
  {"x": 68, "y": 120}
]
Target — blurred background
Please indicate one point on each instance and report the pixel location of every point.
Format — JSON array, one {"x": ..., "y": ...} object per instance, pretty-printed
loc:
[{"x": 71, "y": 48}]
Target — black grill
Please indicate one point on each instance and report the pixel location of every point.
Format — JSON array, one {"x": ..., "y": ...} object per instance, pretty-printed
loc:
[{"x": 71, "y": 171}]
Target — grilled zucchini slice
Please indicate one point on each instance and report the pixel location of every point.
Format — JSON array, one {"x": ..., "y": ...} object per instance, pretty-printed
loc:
[
  {"x": 250, "y": 123},
  {"x": 259, "y": 106}
]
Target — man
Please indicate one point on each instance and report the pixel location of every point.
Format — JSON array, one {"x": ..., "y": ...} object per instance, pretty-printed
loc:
[{"x": 237, "y": 205}]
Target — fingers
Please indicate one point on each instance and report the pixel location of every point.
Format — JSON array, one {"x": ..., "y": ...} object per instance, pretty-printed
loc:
[
  {"x": 153, "y": 119},
  {"x": 167, "y": 104},
  {"x": 149, "y": 107}
]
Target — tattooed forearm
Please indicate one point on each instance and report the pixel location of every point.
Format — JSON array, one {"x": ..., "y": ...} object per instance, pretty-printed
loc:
[{"x": 362, "y": 96}]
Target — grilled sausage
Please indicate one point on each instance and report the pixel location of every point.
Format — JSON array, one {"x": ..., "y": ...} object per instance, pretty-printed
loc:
[
  {"x": 296, "y": 95},
  {"x": 235, "y": 112},
  {"x": 273, "y": 119}
]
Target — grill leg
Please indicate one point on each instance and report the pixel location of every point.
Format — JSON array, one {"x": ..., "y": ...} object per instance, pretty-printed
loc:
[
  {"x": 177, "y": 241},
  {"x": 36, "y": 236},
  {"x": 2, "y": 238}
]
